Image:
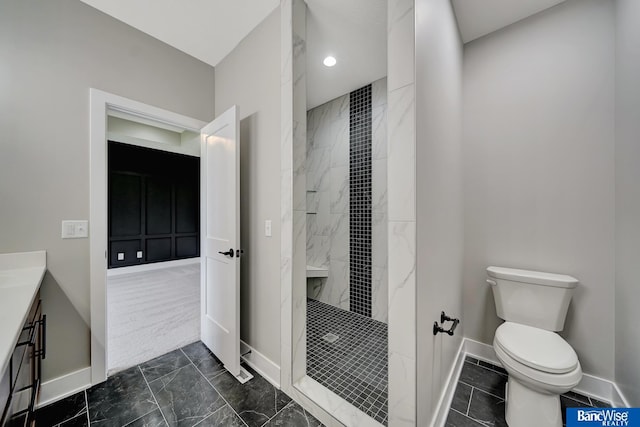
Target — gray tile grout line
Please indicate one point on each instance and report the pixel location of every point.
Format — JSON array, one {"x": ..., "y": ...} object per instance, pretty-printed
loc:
[
  {"x": 211, "y": 414},
  {"x": 479, "y": 389},
  {"x": 486, "y": 368},
  {"x": 466, "y": 416},
  {"x": 72, "y": 418},
  {"x": 469, "y": 402},
  {"x": 86, "y": 402},
  {"x": 154, "y": 399},
  {"x": 212, "y": 386},
  {"x": 276, "y": 414}
]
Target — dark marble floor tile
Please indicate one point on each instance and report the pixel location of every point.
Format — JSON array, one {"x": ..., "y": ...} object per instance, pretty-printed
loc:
[
  {"x": 62, "y": 410},
  {"x": 196, "y": 351},
  {"x": 599, "y": 403},
  {"x": 120, "y": 400},
  {"x": 80, "y": 421},
  {"x": 294, "y": 415},
  {"x": 484, "y": 379},
  {"x": 256, "y": 401},
  {"x": 493, "y": 367},
  {"x": 487, "y": 409},
  {"x": 471, "y": 360},
  {"x": 161, "y": 366},
  {"x": 185, "y": 397},
  {"x": 461, "y": 398},
  {"x": 456, "y": 419},
  {"x": 152, "y": 419},
  {"x": 18, "y": 421},
  {"x": 223, "y": 417},
  {"x": 565, "y": 403},
  {"x": 578, "y": 397},
  {"x": 210, "y": 366}
]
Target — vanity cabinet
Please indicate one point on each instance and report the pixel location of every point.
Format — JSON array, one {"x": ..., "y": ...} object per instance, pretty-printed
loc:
[{"x": 20, "y": 384}]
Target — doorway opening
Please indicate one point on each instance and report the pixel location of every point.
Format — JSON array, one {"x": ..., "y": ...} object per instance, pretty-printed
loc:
[
  {"x": 123, "y": 112},
  {"x": 153, "y": 217}
]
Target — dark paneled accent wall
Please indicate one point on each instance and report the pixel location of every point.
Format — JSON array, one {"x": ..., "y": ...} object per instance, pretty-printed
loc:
[
  {"x": 360, "y": 168},
  {"x": 154, "y": 205}
]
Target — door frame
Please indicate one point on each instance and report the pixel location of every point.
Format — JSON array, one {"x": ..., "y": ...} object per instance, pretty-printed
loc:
[{"x": 99, "y": 106}]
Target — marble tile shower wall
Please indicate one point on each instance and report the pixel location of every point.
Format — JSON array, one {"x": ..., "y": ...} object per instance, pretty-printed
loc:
[
  {"x": 328, "y": 200},
  {"x": 327, "y": 174},
  {"x": 379, "y": 214}
]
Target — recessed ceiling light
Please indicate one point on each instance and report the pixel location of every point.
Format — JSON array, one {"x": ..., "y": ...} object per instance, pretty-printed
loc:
[{"x": 329, "y": 61}]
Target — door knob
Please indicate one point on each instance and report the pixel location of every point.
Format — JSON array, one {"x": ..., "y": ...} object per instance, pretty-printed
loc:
[{"x": 227, "y": 253}]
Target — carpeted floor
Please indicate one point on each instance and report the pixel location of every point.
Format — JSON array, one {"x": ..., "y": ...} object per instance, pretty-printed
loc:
[{"x": 151, "y": 313}]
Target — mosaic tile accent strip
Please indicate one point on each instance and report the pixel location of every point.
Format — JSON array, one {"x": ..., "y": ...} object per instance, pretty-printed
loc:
[
  {"x": 355, "y": 366},
  {"x": 360, "y": 171},
  {"x": 479, "y": 397}
]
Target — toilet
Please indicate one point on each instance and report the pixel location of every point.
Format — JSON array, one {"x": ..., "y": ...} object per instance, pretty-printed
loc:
[{"x": 540, "y": 363}]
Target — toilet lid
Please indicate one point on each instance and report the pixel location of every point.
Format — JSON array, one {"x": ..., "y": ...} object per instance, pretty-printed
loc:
[{"x": 539, "y": 349}]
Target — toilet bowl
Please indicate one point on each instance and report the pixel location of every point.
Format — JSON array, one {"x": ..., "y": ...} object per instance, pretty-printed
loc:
[{"x": 541, "y": 365}]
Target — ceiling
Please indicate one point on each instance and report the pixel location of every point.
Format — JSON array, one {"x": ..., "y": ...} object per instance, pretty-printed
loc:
[
  {"x": 478, "y": 18},
  {"x": 353, "y": 31},
  {"x": 205, "y": 29}
]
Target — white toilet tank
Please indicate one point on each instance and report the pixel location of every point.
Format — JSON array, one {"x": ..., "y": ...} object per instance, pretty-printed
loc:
[{"x": 532, "y": 298}]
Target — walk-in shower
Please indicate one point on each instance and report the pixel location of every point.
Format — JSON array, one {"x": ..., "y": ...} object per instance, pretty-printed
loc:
[{"x": 347, "y": 236}]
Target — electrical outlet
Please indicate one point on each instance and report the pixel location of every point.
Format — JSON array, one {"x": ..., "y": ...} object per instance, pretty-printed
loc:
[
  {"x": 139, "y": 254},
  {"x": 120, "y": 256}
]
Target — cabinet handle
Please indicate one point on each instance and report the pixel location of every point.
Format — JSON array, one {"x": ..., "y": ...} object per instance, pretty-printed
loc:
[{"x": 43, "y": 336}]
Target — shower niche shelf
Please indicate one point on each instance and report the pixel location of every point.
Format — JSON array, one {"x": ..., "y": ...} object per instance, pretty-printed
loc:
[{"x": 317, "y": 271}]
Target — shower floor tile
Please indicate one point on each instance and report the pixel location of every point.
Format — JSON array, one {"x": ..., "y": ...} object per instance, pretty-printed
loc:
[{"x": 355, "y": 365}]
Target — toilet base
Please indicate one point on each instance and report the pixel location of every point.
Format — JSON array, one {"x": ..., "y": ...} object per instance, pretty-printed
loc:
[{"x": 529, "y": 408}]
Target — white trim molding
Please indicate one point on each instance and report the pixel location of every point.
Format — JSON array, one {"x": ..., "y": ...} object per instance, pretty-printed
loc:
[
  {"x": 121, "y": 271},
  {"x": 260, "y": 363},
  {"x": 101, "y": 104},
  {"x": 58, "y": 388},
  {"x": 444, "y": 403},
  {"x": 592, "y": 386}
]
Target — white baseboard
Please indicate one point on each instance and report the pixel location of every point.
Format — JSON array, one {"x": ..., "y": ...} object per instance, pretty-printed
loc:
[
  {"x": 601, "y": 389},
  {"x": 592, "y": 386},
  {"x": 111, "y": 272},
  {"x": 444, "y": 403},
  {"x": 58, "y": 388},
  {"x": 481, "y": 351},
  {"x": 261, "y": 364}
]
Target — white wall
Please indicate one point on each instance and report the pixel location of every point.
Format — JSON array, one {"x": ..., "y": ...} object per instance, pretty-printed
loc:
[
  {"x": 250, "y": 77},
  {"x": 627, "y": 362},
  {"x": 539, "y": 167},
  {"x": 51, "y": 53},
  {"x": 438, "y": 196}
]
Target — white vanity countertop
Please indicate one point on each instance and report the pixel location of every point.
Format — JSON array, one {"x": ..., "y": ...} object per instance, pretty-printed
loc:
[{"x": 20, "y": 278}]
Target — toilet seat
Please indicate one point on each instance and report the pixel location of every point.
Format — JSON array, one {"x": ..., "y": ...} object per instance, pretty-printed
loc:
[{"x": 536, "y": 348}]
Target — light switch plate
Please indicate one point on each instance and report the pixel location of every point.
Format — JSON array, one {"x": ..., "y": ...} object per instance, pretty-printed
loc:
[
  {"x": 76, "y": 229},
  {"x": 267, "y": 228}
]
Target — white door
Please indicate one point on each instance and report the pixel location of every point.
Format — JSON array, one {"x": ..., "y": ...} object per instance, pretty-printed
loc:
[{"x": 220, "y": 254}]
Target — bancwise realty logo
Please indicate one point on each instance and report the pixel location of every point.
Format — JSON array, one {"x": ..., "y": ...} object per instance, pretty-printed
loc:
[{"x": 605, "y": 417}]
